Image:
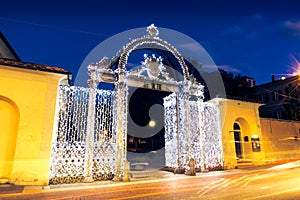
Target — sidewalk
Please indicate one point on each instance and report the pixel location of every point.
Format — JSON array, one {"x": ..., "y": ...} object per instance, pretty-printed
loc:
[
  {"x": 10, "y": 189},
  {"x": 148, "y": 175},
  {"x": 136, "y": 176}
]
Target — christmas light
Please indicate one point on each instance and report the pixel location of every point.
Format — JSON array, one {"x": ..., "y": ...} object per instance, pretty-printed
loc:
[
  {"x": 69, "y": 147},
  {"x": 91, "y": 139}
]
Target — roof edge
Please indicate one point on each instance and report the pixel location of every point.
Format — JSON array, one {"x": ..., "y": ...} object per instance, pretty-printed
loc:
[{"x": 33, "y": 66}]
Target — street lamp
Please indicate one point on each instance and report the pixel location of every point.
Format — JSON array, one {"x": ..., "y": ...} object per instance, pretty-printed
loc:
[{"x": 152, "y": 124}]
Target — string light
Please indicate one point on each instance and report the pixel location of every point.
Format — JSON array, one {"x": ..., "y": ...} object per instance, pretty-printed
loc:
[
  {"x": 205, "y": 135},
  {"x": 191, "y": 126},
  {"x": 69, "y": 148}
]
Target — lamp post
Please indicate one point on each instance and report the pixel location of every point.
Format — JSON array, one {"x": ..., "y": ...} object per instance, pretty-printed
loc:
[{"x": 152, "y": 124}]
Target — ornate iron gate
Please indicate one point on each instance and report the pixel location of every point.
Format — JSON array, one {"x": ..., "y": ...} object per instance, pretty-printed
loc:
[
  {"x": 200, "y": 138},
  {"x": 69, "y": 148}
]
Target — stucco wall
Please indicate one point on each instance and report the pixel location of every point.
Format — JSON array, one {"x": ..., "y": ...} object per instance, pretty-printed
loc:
[
  {"x": 246, "y": 115},
  {"x": 33, "y": 95},
  {"x": 280, "y": 140}
]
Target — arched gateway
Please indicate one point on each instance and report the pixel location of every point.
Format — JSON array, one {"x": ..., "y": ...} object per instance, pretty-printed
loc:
[{"x": 94, "y": 147}]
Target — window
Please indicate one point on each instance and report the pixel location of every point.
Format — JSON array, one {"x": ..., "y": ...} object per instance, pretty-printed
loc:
[
  {"x": 246, "y": 139},
  {"x": 236, "y": 126}
]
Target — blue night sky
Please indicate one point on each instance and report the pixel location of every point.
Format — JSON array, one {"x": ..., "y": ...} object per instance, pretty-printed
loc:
[{"x": 253, "y": 38}]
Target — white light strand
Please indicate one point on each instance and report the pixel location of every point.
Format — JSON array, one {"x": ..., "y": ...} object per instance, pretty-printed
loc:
[
  {"x": 171, "y": 129},
  {"x": 205, "y": 135},
  {"x": 69, "y": 149},
  {"x": 213, "y": 137}
]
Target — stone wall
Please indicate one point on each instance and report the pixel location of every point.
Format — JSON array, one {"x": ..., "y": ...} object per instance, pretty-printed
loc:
[{"x": 280, "y": 140}]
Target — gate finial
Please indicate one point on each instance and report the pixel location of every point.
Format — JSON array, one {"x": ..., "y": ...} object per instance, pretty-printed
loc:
[{"x": 152, "y": 30}]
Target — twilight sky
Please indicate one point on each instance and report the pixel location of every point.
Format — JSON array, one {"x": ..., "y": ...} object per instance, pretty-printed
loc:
[{"x": 253, "y": 38}]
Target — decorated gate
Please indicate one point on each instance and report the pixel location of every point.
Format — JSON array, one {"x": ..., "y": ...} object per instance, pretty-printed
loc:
[
  {"x": 194, "y": 134},
  {"x": 69, "y": 157},
  {"x": 91, "y": 139}
]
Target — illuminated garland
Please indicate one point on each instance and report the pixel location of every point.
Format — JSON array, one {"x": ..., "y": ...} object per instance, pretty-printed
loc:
[
  {"x": 69, "y": 148},
  {"x": 204, "y": 140}
]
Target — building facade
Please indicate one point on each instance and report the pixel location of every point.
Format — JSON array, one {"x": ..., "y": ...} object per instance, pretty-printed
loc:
[
  {"x": 28, "y": 98},
  {"x": 281, "y": 98},
  {"x": 241, "y": 132}
]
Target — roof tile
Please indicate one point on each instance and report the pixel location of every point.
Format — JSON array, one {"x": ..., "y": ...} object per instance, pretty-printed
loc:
[{"x": 32, "y": 66}]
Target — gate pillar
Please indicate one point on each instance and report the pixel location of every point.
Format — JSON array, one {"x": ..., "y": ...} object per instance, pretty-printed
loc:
[
  {"x": 120, "y": 108},
  {"x": 88, "y": 160}
]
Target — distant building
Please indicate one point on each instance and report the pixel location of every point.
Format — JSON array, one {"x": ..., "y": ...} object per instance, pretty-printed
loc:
[
  {"x": 281, "y": 98},
  {"x": 6, "y": 50},
  {"x": 237, "y": 87}
]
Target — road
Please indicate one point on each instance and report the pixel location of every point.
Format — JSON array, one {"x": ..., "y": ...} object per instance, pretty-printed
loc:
[{"x": 272, "y": 182}]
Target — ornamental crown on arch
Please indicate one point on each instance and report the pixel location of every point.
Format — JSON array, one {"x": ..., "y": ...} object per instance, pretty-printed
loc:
[{"x": 152, "y": 66}]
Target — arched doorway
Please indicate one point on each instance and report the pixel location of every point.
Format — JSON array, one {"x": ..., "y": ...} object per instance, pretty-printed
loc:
[
  {"x": 9, "y": 123},
  {"x": 241, "y": 131},
  {"x": 237, "y": 141}
]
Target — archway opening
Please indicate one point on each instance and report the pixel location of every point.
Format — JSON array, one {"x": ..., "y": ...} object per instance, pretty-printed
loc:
[
  {"x": 9, "y": 123},
  {"x": 146, "y": 120},
  {"x": 145, "y": 129},
  {"x": 237, "y": 141},
  {"x": 242, "y": 140}
]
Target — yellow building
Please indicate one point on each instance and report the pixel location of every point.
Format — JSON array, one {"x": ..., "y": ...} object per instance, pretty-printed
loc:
[
  {"x": 28, "y": 98},
  {"x": 28, "y": 124},
  {"x": 281, "y": 140},
  {"x": 241, "y": 132},
  {"x": 251, "y": 140}
]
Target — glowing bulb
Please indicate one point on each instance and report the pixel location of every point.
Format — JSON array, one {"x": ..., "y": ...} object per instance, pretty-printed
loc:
[
  {"x": 255, "y": 136},
  {"x": 152, "y": 123}
]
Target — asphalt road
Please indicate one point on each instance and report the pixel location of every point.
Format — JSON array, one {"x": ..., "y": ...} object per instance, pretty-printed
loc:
[{"x": 272, "y": 182}]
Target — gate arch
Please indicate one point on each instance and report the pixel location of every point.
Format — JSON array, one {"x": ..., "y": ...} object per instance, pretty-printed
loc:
[
  {"x": 186, "y": 101},
  {"x": 148, "y": 40}
]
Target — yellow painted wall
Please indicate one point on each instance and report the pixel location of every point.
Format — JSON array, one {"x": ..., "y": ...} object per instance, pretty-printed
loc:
[
  {"x": 9, "y": 123},
  {"x": 279, "y": 140},
  {"x": 30, "y": 98},
  {"x": 246, "y": 115}
]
